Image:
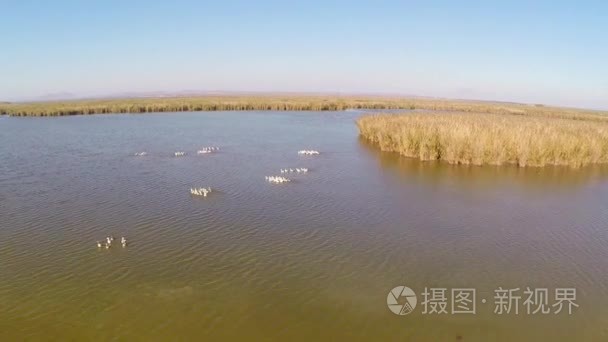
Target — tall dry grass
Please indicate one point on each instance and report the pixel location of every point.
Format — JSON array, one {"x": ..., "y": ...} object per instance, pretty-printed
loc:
[
  {"x": 467, "y": 138},
  {"x": 281, "y": 103}
]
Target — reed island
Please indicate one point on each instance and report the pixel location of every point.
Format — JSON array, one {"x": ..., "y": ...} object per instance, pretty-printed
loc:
[{"x": 523, "y": 139}]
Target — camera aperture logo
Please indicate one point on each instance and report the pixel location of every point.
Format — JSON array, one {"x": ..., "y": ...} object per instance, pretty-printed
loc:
[{"x": 401, "y": 300}]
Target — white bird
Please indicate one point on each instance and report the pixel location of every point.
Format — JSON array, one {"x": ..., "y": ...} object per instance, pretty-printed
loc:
[
  {"x": 179, "y": 154},
  {"x": 98, "y": 244},
  {"x": 109, "y": 240}
]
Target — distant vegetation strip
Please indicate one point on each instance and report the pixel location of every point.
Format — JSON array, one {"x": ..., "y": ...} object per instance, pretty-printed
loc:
[
  {"x": 284, "y": 103},
  {"x": 477, "y": 138}
]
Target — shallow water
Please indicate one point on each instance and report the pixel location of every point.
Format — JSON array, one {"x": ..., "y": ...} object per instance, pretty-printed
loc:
[{"x": 310, "y": 260}]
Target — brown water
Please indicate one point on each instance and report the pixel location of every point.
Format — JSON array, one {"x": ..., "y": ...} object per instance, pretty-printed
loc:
[{"x": 310, "y": 260}]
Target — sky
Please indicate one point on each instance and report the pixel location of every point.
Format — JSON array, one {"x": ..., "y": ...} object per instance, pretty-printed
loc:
[{"x": 550, "y": 52}]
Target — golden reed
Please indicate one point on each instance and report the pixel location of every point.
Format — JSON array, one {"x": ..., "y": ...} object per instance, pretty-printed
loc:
[{"x": 477, "y": 138}]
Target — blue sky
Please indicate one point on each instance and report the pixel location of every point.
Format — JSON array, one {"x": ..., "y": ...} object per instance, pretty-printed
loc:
[{"x": 548, "y": 52}]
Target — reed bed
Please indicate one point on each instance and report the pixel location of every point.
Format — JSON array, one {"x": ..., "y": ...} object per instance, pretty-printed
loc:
[
  {"x": 284, "y": 103},
  {"x": 477, "y": 139}
]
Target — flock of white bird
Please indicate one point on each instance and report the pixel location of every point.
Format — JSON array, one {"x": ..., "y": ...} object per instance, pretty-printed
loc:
[
  {"x": 200, "y": 191},
  {"x": 281, "y": 179},
  {"x": 272, "y": 179},
  {"x": 298, "y": 170},
  {"x": 277, "y": 179},
  {"x": 308, "y": 152},
  {"x": 205, "y": 191},
  {"x": 108, "y": 242},
  {"x": 206, "y": 150}
]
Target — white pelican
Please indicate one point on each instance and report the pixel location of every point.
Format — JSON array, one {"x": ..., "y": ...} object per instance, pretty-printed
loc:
[{"x": 179, "y": 154}]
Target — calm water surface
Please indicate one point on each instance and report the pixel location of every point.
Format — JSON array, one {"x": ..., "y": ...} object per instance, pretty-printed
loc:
[{"x": 310, "y": 260}]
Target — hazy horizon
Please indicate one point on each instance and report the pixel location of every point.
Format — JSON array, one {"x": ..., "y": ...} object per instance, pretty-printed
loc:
[{"x": 545, "y": 52}]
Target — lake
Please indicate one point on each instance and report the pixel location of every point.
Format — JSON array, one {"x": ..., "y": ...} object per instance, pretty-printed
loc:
[{"x": 312, "y": 259}]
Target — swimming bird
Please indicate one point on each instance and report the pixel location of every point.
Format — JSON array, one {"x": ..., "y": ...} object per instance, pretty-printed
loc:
[
  {"x": 99, "y": 244},
  {"x": 179, "y": 154},
  {"x": 109, "y": 240}
]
